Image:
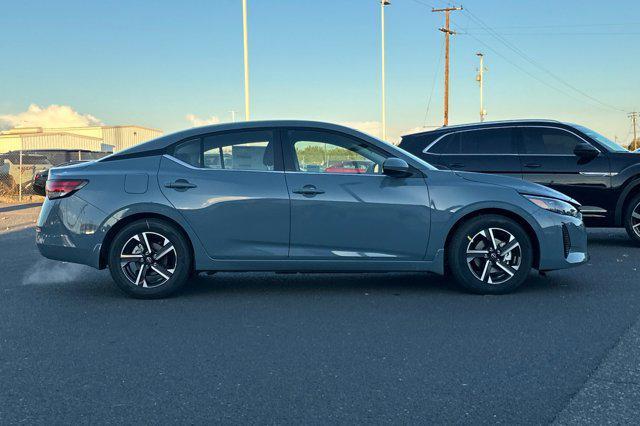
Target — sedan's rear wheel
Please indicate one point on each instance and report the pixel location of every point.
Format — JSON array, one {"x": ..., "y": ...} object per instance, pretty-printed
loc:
[
  {"x": 149, "y": 258},
  {"x": 490, "y": 254}
]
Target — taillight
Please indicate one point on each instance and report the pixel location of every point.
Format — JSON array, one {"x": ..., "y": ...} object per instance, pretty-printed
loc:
[{"x": 63, "y": 187}]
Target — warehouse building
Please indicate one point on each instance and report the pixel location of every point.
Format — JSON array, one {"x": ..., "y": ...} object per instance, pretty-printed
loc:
[{"x": 93, "y": 138}]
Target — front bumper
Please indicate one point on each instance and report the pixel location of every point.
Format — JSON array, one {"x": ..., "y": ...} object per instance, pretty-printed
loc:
[{"x": 563, "y": 241}]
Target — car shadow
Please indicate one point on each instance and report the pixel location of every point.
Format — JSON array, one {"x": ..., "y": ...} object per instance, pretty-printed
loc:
[
  {"x": 610, "y": 237},
  {"x": 315, "y": 284},
  {"x": 14, "y": 207},
  {"x": 270, "y": 284}
]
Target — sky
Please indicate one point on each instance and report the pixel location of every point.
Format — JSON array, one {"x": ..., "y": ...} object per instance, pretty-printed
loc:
[{"x": 171, "y": 65}]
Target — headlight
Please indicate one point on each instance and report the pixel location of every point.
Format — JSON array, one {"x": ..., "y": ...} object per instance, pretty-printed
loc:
[{"x": 553, "y": 205}]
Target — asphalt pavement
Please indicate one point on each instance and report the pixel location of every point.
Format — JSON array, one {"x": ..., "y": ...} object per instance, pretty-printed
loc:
[{"x": 318, "y": 349}]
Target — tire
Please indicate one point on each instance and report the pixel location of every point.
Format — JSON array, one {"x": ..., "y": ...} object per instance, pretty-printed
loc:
[
  {"x": 490, "y": 270},
  {"x": 630, "y": 221},
  {"x": 149, "y": 275}
]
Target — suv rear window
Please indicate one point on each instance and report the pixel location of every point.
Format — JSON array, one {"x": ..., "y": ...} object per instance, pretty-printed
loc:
[{"x": 489, "y": 141}]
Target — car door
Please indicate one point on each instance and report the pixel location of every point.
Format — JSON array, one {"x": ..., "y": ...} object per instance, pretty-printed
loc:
[
  {"x": 547, "y": 158},
  {"x": 484, "y": 150},
  {"x": 356, "y": 214},
  {"x": 231, "y": 189}
]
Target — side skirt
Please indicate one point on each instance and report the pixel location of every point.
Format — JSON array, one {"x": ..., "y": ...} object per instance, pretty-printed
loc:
[{"x": 436, "y": 265}]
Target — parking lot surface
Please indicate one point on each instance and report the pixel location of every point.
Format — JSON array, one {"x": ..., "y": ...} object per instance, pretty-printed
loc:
[{"x": 273, "y": 348}]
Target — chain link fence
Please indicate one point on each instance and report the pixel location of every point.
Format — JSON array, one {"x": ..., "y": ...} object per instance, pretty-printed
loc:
[{"x": 23, "y": 173}]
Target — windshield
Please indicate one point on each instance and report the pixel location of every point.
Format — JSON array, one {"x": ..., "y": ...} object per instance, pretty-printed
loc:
[{"x": 608, "y": 143}]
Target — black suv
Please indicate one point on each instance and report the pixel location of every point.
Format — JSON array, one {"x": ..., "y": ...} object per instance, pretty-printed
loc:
[{"x": 603, "y": 176}]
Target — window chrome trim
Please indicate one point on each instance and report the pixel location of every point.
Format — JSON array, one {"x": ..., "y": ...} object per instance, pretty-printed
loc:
[
  {"x": 608, "y": 174},
  {"x": 335, "y": 174},
  {"x": 189, "y": 166},
  {"x": 425, "y": 151}
]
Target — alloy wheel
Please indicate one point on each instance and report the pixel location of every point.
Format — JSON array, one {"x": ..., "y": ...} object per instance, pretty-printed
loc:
[
  {"x": 494, "y": 255},
  {"x": 148, "y": 259},
  {"x": 635, "y": 220}
]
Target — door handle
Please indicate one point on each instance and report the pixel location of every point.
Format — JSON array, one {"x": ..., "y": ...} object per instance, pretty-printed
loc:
[
  {"x": 532, "y": 165},
  {"x": 180, "y": 185},
  {"x": 308, "y": 191},
  {"x": 457, "y": 165}
]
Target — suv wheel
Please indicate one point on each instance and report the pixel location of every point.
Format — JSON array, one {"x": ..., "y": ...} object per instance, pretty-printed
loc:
[
  {"x": 149, "y": 259},
  {"x": 632, "y": 219},
  {"x": 490, "y": 254}
]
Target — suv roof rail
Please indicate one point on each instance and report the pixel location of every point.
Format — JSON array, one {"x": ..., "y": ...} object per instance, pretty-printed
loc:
[{"x": 484, "y": 123}]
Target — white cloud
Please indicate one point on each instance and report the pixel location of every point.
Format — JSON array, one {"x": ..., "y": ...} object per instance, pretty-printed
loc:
[
  {"x": 197, "y": 121},
  {"x": 373, "y": 128},
  {"x": 418, "y": 129},
  {"x": 51, "y": 116}
]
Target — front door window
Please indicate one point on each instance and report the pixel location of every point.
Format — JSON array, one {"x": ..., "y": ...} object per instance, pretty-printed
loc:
[{"x": 323, "y": 152}]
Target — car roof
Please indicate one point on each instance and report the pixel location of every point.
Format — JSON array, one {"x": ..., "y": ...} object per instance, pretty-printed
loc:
[
  {"x": 167, "y": 140},
  {"x": 501, "y": 123}
]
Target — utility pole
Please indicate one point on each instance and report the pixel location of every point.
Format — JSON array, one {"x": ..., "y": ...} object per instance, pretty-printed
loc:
[
  {"x": 247, "y": 115},
  {"x": 233, "y": 116},
  {"x": 480, "y": 79},
  {"x": 447, "y": 32},
  {"x": 634, "y": 119},
  {"x": 20, "y": 173},
  {"x": 383, "y": 3}
]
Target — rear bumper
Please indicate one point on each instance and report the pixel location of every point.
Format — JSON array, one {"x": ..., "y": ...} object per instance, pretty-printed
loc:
[
  {"x": 67, "y": 230},
  {"x": 563, "y": 243}
]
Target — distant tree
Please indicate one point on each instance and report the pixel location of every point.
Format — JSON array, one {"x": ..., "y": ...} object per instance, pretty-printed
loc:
[{"x": 318, "y": 154}]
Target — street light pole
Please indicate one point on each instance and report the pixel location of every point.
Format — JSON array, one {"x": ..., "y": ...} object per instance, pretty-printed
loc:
[
  {"x": 247, "y": 114},
  {"x": 383, "y": 3}
]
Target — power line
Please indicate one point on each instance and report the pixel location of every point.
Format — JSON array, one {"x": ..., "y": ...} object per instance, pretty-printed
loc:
[
  {"x": 523, "y": 70},
  {"x": 537, "y": 33},
  {"x": 618, "y": 24},
  {"x": 433, "y": 84},
  {"x": 537, "y": 65}
]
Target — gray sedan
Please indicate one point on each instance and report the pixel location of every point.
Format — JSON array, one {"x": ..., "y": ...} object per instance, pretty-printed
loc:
[{"x": 277, "y": 196}]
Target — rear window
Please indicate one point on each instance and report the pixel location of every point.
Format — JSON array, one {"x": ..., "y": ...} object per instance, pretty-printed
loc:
[
  {"x": 483, "y": 141},
  {"x": 189, "y": 152},
  {"x": 417, "y": 144},
  {"x": 450, "y": 144}
]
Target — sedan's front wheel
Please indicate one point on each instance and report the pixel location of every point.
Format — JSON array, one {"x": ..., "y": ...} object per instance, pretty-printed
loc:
[
  {"x": 149, "y": 259},
  {"x": 490, "y": 254}
]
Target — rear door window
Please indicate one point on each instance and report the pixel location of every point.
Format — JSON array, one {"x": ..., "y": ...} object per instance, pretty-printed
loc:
[{"x": 240, "y": 150}]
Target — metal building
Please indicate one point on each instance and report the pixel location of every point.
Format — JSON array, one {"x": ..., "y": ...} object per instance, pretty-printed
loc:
[{"x": 94, "y": 138}]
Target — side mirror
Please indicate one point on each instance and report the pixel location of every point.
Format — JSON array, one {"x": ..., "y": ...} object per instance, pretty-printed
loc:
[
  {"x": 585, "y": 150},
  {"x": 395, "y": 167}
]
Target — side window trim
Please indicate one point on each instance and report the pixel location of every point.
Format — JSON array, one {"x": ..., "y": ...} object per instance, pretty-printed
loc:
[
  {"x": 277, "y": 149},
  {"x": 518, "y": 142},
  {"x": 433, "y": 143}
]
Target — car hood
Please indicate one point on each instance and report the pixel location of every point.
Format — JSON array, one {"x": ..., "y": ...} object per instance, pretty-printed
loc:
[{"x": 522, "y": 186}]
